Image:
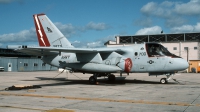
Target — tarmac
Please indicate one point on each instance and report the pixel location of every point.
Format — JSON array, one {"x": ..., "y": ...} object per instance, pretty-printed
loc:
[{"x": 71, "y": 92}]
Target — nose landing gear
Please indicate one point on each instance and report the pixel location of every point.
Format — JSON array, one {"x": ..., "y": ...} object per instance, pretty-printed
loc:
[{"x": 165, "y": 80}]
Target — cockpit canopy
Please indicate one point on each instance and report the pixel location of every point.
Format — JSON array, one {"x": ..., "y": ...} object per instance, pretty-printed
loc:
[{"x": 156, "y": 50}]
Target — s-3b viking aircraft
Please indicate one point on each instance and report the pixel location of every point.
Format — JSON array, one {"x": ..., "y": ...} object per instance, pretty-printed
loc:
[{"x": 56, "y": 50}]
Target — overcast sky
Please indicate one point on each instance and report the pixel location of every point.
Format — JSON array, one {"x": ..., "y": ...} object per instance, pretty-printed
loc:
[{"x": 90, "y": 23}]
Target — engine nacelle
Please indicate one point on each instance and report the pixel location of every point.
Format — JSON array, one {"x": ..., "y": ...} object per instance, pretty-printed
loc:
[
  {"x": 93, "y": 67},
  {"x": 125, "y": 64}
]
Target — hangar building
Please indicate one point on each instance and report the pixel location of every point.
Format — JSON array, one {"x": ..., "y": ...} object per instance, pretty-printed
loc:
[{"x": 20, "y": 62}]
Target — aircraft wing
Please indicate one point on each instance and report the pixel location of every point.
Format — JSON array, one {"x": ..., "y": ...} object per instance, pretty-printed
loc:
[{"x": 39, "y": 51}]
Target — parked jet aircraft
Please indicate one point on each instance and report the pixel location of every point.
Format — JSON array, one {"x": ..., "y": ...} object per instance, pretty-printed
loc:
[{"x": 56, "y": 50}]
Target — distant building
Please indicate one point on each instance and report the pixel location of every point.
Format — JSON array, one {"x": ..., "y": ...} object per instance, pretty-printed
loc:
[
  {"x": 186, "y": 45},
  {"x": 13, "y": 61}
]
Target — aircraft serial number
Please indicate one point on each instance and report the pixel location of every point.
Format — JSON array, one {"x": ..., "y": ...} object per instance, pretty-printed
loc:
[{"x": 57, "y": 45}]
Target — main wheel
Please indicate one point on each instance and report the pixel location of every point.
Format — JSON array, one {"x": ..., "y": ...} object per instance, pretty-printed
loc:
[
  {"x": 92, "y": 80},
  {"x": 163, "y": 81},
  {"x": 111, "y": 77},
  {"x": 71, "y": 71}
]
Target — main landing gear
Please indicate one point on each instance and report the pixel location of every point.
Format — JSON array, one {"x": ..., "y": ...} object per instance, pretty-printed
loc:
[
  {"x": 93, "y": 79},
  {"x": 165, "y": 80}
]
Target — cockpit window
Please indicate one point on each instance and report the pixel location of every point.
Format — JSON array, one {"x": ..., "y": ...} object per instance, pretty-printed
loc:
[{"x": 154, "y": 49}]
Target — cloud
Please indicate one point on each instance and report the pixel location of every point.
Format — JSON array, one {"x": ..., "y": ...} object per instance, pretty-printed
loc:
[
  {"x": 100, "y": 43},
  {"x": 175, "y": 21},
  {"x": 96, "y": 26},
  {"x": 95, "y": 44},
  {"x": 163, "y": 10},
  {"x": 79, "y": 44},
  {"x": 149, "y": 30},
  {"x": 167, "y": 8},
  {"x": 190, "y": 8},
  {"x": 67, "y": 29},
  {"x": 22, "y": 36},
  {"x": 173, "y": 13},
  {"x": 186, "y": 28},
  {"x": 160, "y": 10},
  {"x": 145, "y": 21}
]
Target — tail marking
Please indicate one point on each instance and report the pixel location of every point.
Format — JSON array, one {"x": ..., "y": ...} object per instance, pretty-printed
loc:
[
  {"x": 41, "y": 34},
  {"x": 48, "y": 34}
]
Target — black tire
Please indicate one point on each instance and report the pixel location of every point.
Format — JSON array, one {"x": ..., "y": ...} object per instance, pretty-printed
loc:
[
  {"x": 71, "y": 71},
  {"x": 92, "y": 80},
  {"x": 111, "y": 78},
  {"x": 163, "y": 81}
]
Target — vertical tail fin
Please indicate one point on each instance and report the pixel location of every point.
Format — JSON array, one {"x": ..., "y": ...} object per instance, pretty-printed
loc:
[{"x": 48, "y": 34}]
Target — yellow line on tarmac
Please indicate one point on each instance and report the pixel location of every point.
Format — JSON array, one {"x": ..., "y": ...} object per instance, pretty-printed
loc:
[
  {"x": 53, "y": 110},
  {"x": 59, "y": 110},
  {"x": 103, "y": 99}
]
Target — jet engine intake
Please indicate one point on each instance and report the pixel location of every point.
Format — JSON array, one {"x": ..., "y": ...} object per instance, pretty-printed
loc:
[{"x": 125, "y": 64}]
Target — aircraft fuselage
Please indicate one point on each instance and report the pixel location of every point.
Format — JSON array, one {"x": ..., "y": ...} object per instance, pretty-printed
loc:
[{"x": 141, "y": 56}]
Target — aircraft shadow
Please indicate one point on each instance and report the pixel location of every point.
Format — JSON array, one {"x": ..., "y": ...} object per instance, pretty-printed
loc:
[{"x": 102, "y": 82}]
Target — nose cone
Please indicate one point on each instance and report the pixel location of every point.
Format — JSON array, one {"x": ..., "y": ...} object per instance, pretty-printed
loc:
[{"x": 181, "y": 64}]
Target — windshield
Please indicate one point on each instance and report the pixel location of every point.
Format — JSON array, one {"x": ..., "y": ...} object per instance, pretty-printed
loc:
[{"x": 154, "y": 49}]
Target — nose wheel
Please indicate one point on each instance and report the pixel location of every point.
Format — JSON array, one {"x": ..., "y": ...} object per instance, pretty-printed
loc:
[{"x": 163, "y": 81}]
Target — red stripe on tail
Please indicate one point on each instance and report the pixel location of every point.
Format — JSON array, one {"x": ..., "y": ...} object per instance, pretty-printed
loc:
[{"x": 42, "y": 38}]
